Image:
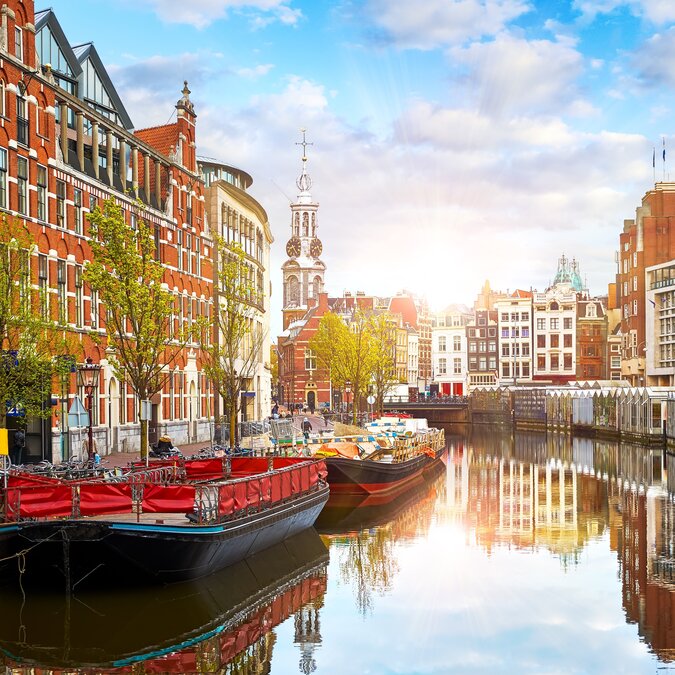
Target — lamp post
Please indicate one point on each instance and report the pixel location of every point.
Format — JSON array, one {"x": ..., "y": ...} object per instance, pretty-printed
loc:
[{"x": 88, "y": 375}]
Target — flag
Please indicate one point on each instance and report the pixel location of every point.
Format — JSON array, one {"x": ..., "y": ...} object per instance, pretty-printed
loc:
[
  {"x": 654, "y": 157},
  {"x": 664, "y": 149}
]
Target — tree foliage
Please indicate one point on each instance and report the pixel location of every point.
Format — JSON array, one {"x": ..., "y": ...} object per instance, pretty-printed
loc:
[
  {"x": 359, "y": 353},
  {"x": 127, "y": 274},
  {"x": 30, "y": 342},
  {"x": 232, "y": 357}
]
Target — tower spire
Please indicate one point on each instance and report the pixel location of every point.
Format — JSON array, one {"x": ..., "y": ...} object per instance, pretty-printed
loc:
[{"x": 304, "y": 182}]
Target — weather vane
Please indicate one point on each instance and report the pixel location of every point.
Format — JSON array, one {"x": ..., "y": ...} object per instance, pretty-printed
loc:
[{"x": 304, "y": 145}]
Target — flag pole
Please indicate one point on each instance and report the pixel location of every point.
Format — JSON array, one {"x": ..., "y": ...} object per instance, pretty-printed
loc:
[
  {"x": 654, "y": 163},
  {"x": 664, "y": 159}
]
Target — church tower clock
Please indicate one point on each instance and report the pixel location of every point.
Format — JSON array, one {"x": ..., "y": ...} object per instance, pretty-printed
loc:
[{"x": 303, "y": 272}]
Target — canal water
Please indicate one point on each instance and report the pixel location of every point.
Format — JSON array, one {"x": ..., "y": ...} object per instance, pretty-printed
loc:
[{"x": 520, "y": 553}]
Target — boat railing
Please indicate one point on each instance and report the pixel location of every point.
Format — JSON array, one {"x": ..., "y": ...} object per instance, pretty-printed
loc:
[{"x": 201, "y": 497}]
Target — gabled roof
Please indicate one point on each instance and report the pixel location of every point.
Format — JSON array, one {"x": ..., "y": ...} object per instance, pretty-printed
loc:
[
  {"x": 48, "y": 18},
  {"x": 88, "y": 51},
  {"x": 161, "y": 138},
  {"x": 519, "y": 293}
]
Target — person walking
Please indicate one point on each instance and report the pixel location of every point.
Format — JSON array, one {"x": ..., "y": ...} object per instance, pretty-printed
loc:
[
  {"x": 17, "y": 447},
  {"x": 306, "y": 428}
]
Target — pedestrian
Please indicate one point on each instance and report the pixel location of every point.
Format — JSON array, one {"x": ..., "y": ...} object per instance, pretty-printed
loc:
[
  {"x": 306, "y": 428},
  {"x": 17, "y": 447}
]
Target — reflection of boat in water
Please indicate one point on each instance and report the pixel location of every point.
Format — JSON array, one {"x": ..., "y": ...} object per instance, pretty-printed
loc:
[
  {"x": 353, "y": 512},
  {"x": 171, "y": 522},
  {"x": 169, "y": 629},
  {"x": 394, "y": 453}
]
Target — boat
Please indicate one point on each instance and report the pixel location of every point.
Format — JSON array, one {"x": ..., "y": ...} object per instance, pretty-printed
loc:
[
  {"x": 391, "y": 453},
  {"x": 174, "y": 520},
  {"x": 205, "y": 625},
  {"x": 349, "y": 513}
]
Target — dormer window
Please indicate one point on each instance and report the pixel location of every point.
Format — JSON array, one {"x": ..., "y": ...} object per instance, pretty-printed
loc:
[
  {"x": 18, "y": 43},
  {"x": 591, "y": 310}
]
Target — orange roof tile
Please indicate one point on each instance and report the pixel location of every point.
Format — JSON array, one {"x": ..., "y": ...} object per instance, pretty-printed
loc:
[{"x": 161, "y": 138}]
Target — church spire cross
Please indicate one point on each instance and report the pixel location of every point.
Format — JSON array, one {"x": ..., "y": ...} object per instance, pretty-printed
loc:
[{"x": 304, "y": 182}]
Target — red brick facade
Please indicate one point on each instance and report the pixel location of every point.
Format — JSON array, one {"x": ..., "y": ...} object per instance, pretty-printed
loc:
[{"x": 65, "y": 155}]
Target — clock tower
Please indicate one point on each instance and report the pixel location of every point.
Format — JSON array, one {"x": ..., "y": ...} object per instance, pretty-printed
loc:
[{"x": 303, "y": 271}]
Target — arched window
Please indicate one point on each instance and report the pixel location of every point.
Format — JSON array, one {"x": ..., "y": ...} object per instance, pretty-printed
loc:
[
  {"x": 305, "y": 224},
  {"x": 292, "y": 291},
  {"x": 316, "y": 287},
  {"x": 296, "y": 225},
  {"x": 554, "y": 306}
]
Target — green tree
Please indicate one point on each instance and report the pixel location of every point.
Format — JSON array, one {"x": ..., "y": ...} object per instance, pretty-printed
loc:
[
  {"x": 382, "y": 328},
  {"x": 126, "y": 272},
  {"x": 233, "y": 355},
  {"x": 346, "y": 350},
  {"x": 29, "y": 340}
]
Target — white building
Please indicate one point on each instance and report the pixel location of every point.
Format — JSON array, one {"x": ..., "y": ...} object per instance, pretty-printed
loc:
[
  {"x": 514, "y": 324},
  {"x": 449, "y": 350}
]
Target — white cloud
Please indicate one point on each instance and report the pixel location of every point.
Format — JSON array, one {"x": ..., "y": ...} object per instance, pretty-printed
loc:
[
  {"x": 656, "y": 11},
  {"x": 201, "y": 13},
  {"x": 434, "y": 23},
  {"x": 655, "y": 59},
  {"x": 255, "y": 71},
  {"x": 511, "y": 75}
]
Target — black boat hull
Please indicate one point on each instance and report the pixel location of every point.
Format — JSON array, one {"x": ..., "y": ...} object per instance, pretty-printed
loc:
[
  {"x": 110, "y": 551},
  {"x": 364, "y": 477}
]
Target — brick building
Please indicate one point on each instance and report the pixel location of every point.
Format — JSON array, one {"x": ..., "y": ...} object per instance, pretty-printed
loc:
[{"x": 66, "y": 144}]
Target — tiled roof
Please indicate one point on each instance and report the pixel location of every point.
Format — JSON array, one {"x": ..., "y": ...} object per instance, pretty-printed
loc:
[{"x": 161, "y": 138}]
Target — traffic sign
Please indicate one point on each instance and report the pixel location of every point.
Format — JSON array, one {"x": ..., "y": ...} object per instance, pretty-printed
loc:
[{"x": 371, "y": 400}]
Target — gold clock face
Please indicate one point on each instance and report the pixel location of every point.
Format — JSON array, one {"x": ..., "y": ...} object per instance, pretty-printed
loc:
[
  {"x": 315, "y": 248},
  {"x": 293, "y": 247}
]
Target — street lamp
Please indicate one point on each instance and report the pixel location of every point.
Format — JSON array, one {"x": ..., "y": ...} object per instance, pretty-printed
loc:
[{"x": 87, "y": 377}]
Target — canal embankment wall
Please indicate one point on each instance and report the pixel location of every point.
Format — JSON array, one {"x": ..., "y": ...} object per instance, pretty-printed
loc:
[{"x": 643, "y": 415}]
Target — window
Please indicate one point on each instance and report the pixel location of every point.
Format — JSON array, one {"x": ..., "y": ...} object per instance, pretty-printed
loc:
[
  {"x": 42, "y": 192},
  {"x": 22, "y": 184},
  {"x": 525, "y": 316},
  {"x": 60, "y": 203},
  {"x": 515, "y": 331},
  {"x": 615, "y": 362},
  {"x": 541, "y": 342},
  {"x": 567, "y": 323},
  {"x": 93, "y": 312},
  {"x": 505, "y": 369},
  {"x": 457, "y": 366},
  {"x": 43, "y": 272},
  {"x": 514, "y": 316},
  {"x": 442, "y": 340},
  {"x": 492, "y": 346},
  {"x": 472, "y": 363},
  {"x": 625, "y": 289},
  {"x": 555, "y": 362},
  {"x": 77, "y": 200},
  {"x": 3, "y": 178},
  {"x": 567, "y": 362},
  {"x": 62, "y": 277},
  {"x": 634, "y": 259},
  {"x": 526, "y": 348},
  {"x": 18, "y": 43},
  {"x": 525, "y": 331},
  {"x": 442, "y": 366},
  {"x": 482, "y": 346},
  {"x": 481, "y": 321},
  {"x": 635, "y": 286},
  {"x": 526, "y": 369},
  {"x": 492, "y": 363},
  {"x": 310, "y": 360},
  {"x": 567, "y": 340},
  {"x": 505, "y": 332},
  {"x": 472, "y": 332},
  {"x": 635, "y": 308},
  {"x": 21, "y": 120},
  {"x": 555, "y": 341},
  {"x": 472, "y": 346},
  {"x": 79, "y": 304},
  {"x": 505, "y": 316},
  {"x": 625, "y": 265},
  {"x": 179, "y": 248},
  {"x": 505, "y": 349},
  {"x": 457, "y": 343},
  {"x": 482, "y": 363},
  {"x": 93, "y": 202},
  {"x": 555, "y": 323},
  {"x": 541, "y": 362},
  {"x": 541, "y": 324}
]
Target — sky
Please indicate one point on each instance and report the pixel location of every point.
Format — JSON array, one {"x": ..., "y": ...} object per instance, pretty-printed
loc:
[{"x": 454, "y": 141}]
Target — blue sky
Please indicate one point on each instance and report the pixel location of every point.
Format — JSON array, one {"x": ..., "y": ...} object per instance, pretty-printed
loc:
[{"x": 454, "y": 140}]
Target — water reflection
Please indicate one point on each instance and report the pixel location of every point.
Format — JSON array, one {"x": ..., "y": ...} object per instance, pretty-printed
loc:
[
  {"x": 372, "y": 528},
  {"x": 537, "y": 491},
  {"x": 223, "y": 623}
]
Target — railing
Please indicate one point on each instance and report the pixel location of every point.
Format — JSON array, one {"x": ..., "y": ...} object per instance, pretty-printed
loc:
[{"x": 206, "y": 493}]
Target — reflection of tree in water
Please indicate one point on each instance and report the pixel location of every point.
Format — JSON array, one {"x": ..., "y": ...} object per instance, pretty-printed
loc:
[
  {"x": 367, "y": 559},
  {"x": 368, "y": 563}
]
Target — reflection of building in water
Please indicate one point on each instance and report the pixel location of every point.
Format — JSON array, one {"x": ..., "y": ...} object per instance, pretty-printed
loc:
[
  {"x": 528, "y": 504},
  {"x": 308, "y": 634}
]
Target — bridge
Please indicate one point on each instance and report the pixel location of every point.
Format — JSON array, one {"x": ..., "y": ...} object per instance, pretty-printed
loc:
[{"x": 447, "y": 410}]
